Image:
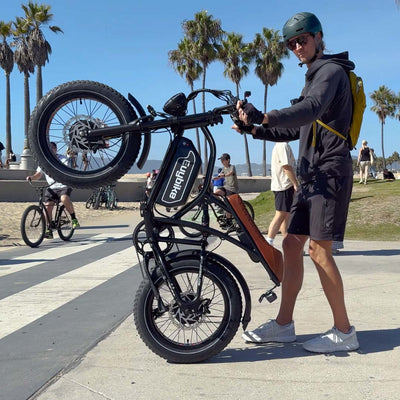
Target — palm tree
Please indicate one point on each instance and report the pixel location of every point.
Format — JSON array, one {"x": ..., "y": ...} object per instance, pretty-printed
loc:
[
  {"x": 39, "y": 48},
  {"x": 236, "y": 56},
  {"x": 7, "y": 63},
  {"x": 205, "y": 33},
  {"x": 25, "y": 65},
  {"x": 268, "y": 51},
  {"x": 183, "y": 61},
  {"x": 385, "y": 104}
]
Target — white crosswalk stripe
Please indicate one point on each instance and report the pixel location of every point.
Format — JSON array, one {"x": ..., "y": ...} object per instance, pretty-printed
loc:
[
  {"x": 37, "y": 258},
  {"x": 24, "y": 307}
]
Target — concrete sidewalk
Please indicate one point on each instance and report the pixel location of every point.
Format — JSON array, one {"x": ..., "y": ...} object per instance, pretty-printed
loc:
[{"x": 122, "y": 367}]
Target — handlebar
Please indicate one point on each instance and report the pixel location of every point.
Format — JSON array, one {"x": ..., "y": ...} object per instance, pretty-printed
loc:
[{"x": 147, "y": 123}]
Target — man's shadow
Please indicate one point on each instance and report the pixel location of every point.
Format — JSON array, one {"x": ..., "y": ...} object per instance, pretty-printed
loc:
[{"x": 375, "y": 341}]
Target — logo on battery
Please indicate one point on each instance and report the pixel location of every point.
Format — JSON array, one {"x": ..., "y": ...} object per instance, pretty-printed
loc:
[{"x": 179, "y": 179}]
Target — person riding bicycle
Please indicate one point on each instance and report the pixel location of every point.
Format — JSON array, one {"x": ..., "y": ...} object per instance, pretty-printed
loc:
[
  {"x": 231, "y": 185},
  {"x": 56, "y": 191},
  {"x": 325, "y": 174}
]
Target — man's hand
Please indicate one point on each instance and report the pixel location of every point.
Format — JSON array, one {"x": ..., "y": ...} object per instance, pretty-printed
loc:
[
  {"x": 242, "y": 128},
  {"x": 249, "y": 114}
]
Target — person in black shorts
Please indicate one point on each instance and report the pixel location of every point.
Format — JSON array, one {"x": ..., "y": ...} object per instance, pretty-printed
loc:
[
  {"x": 283, "y": 184},
  {"x": 325, "y": 174}
]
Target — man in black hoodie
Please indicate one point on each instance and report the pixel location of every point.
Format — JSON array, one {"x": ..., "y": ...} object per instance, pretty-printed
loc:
[{"x": 325, "y": 173}]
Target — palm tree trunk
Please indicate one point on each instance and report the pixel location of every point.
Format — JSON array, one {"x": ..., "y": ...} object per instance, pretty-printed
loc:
[
  {"x": 197, "y": 132},
  {"x": 26, "y": 109},
  {"x": 8, "y": 116},
  {"x": 39, "y": 85},
  {"x": 246, "y": 147},
  {"x": 264, "y": 159},
  {"x": 383, "y": 151}
]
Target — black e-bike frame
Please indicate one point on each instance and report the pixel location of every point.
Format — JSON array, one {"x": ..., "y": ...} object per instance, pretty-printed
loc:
[{"x": 154, "y": 224}]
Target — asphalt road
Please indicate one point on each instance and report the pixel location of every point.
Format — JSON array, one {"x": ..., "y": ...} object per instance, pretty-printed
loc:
[{"x": 60, "y": 300}]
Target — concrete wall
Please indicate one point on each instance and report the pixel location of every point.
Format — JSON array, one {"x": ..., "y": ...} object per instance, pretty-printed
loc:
[{"x": 13, "y": 187}]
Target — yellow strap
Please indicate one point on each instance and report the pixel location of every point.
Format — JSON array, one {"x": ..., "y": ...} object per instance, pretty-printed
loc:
[
  {"x": 329, "y": 129},
  {"x": 314, "y": 134}
]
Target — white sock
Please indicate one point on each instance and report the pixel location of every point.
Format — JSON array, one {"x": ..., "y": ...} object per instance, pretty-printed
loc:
[{"x": 270, "y": 241}]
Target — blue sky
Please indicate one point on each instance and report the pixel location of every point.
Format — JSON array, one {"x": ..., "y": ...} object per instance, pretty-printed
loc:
[{"x": 125, "y": 45}]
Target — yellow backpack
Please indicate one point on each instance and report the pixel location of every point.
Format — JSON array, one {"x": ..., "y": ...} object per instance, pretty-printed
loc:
[{"x": 359, "y": 104}]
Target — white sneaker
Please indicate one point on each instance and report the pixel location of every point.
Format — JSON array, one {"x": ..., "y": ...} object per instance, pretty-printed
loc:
[
  {"x": 333, "y": 340},
  {"x": 271, "y": 331}
]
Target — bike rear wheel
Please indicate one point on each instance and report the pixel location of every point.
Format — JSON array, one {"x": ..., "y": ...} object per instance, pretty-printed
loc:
[
  {"x": 70, "y": 109},
  {"x": 111, "y": 199},
  {"x": 195, "y": 333},
  {"x": 97, "y": 200},
  {"x": 33, "y": 226},
  {"x": 64, "y": 225},
  {"x": 91, "y": 200}
]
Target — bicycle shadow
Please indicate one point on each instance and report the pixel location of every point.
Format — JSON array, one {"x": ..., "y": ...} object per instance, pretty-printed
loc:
[{"x": 374, "y": 341}]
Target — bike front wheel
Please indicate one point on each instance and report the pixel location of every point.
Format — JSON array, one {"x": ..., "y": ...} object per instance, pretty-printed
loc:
[
  {"x": 33, "y": 226},
  {"x": 64, "y": 114},
  {"x": 198, "y": 331},
  {"x": 64, "y": 225}
]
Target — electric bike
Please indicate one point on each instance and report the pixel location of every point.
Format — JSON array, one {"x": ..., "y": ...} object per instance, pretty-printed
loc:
[{"x": 191, "y": 300}]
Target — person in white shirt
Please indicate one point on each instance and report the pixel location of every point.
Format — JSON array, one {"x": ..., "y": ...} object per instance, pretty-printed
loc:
[
  {"x": 55, "y": 191},
  {"x": 283, "y": 184}
]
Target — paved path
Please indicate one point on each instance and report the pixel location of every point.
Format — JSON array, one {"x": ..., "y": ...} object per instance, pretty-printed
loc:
[{"x": 121, "y": 367}]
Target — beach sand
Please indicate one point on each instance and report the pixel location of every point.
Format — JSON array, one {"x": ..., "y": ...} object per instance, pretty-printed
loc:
[{"x": 11, "y": 213}]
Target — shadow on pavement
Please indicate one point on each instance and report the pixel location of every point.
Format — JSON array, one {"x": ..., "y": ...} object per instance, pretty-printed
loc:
[
  {"x": 382, "y": 252},
  {"x": 102, "y": 226},
  {"x": 375, "y": 341}
]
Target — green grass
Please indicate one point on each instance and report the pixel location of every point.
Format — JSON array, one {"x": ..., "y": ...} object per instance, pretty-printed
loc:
[{"x": 374, "y": 212}]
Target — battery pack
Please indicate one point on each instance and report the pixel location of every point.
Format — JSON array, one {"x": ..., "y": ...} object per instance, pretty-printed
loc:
[{"x": 181, "y": 175}]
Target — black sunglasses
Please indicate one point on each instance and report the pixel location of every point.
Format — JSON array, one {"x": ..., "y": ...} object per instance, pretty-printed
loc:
[{"x": 301, "y": 41}]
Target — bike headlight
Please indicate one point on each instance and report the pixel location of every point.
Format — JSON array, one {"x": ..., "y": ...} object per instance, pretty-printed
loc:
[{"x": 176, "y": 105}]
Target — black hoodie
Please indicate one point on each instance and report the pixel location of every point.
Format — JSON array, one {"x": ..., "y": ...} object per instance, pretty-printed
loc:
[{"x": 325, "y": 96}]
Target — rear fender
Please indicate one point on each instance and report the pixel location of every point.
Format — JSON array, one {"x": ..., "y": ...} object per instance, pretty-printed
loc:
[{"x": 147, "y": 135}]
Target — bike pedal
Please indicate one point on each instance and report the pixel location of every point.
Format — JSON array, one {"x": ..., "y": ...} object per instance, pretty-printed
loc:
[{"x": 270, "y": 296}]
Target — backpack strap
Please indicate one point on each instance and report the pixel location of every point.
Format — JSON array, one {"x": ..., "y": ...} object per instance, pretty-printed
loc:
[
  {"x": 314, "y": 140},
  {"x": 331, "y": 129}
]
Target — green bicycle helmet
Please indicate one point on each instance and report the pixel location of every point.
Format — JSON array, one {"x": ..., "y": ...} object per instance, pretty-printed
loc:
[{"x": 303, "y": 22}]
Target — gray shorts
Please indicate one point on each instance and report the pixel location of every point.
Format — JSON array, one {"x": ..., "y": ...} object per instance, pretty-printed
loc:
[
  {"x": 52, "y": 195},
  {"x": 320, "y": 208}
]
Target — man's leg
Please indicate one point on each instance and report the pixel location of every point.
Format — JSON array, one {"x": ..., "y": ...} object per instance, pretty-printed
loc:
[
  {"x": 292, "y": 275},
  {"x": 66, "y": 200},
  {"x": 49, "y": 215},
  {"x": 321, "y": 254},
  {"x": 280, "y": 220}
]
